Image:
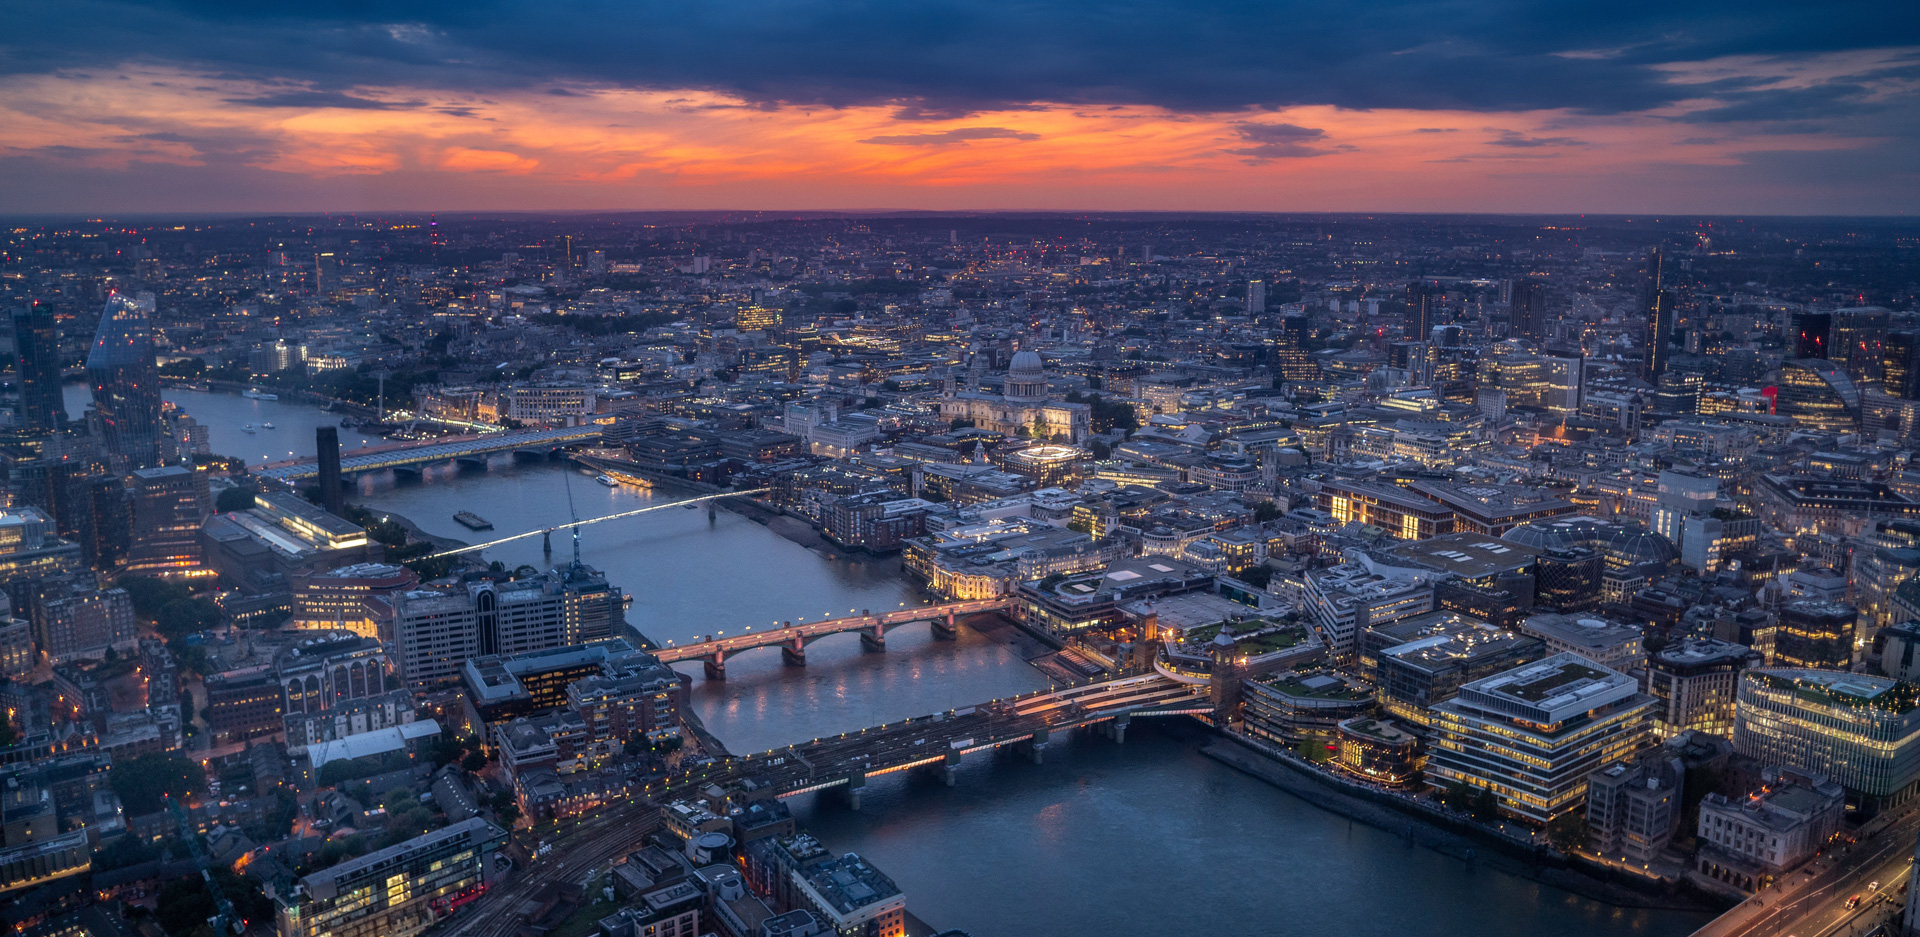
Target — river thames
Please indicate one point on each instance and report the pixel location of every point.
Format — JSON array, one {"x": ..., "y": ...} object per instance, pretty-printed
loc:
[{"x": 1148, "y": 837}]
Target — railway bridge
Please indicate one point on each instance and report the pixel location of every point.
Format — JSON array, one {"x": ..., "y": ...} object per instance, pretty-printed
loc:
[{"x": 792, "y": 639}]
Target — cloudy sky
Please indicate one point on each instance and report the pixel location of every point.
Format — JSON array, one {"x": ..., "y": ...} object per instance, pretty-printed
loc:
[{"x": 1753, "y": 107}]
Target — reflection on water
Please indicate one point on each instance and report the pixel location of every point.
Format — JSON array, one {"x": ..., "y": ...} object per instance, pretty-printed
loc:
[{"x": 1148, "y": 837}]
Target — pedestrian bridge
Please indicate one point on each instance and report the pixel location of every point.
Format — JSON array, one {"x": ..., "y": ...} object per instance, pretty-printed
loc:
[
  {"x": 375, "y": 458},
  {"x": 792, "y": 639}
]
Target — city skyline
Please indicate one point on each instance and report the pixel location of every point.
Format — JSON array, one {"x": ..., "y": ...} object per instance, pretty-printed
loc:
[{"x": 113, "y": 107}]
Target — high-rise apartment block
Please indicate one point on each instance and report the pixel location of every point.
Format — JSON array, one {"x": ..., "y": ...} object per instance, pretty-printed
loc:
[{"x": 126, "y": 382}]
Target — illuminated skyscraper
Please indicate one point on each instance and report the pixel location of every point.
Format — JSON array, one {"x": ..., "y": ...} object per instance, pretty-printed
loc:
[
  {"x": 36, "y": 340},
  {"x": 1659, "y": 306},
  {"x": 1818, "y": 395},
  {"x": 1256, "y": 297},
  {"x": 1900, "y": 365},
  {"x": 126, "y": 382}
]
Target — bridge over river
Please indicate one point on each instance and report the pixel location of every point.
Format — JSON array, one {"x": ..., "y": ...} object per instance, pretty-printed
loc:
[
  {"x": 475, "y": 449},
  {"x": 792, "y": 639},
  {"x": 937, "y": 742}
]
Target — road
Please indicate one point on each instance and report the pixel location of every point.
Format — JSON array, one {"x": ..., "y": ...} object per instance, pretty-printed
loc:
[{"x": 1818, "y": 908}]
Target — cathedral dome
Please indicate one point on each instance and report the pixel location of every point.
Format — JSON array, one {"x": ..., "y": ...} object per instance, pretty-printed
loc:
[{"x": 1026, "y": 378}]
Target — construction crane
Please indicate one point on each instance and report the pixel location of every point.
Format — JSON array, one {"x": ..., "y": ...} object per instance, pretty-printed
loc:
[{"x": 226, "y": 917}]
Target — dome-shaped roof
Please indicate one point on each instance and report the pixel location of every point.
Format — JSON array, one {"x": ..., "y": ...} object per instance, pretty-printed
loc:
[
  {"x": 1026, "y": 362},
  {"x": 1633, "y": 545}
]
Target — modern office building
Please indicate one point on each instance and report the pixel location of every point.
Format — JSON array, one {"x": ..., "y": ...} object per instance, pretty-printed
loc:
[
  {"x": 1859, "y": 730},
  {"x": 398, "y": 891},
  {"x": 126, "y": 381},
  {"x": 1379, "y": 751},
  {"x": 1422, "y": 661},
  {"x": 1695, "y": 682},
  {"x": 1817, "y": 394},
  {"x": 1816, "y": 635},
  {"x": 438, "y": 630},
  {"x": 339, "y": 598},
  {"x": 169, "y": 504},
  {"x": 1399, "y": 512},
  {"x": 1287, "y": 708},
  {"x": 1568, "y": 580},
  {"x": 1527, "y": 310},
  {"x": 1347, "y": 599},
  {"x": 1900, "y": 365},
  {"x": 1608, "y": 643},
  {"x": 36, "y": 346},
  {"x": 1533, "y": 734},
  {"x": 852, "y": 897}
]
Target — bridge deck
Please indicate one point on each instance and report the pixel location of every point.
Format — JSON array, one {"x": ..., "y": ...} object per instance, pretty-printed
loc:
[
  {"x": 772, "y": 637},
  {"x": 363, "y": 460}
]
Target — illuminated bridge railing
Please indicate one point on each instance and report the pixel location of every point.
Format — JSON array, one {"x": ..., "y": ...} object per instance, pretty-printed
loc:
[{"x": 435, "y": 452}]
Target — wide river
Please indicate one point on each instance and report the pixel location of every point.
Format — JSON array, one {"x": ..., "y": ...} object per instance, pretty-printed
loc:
[{"x": 1149, "y": 837}]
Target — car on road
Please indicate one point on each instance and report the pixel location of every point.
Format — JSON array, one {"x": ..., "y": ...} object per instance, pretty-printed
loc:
[{"x": 1853, "y": 902}]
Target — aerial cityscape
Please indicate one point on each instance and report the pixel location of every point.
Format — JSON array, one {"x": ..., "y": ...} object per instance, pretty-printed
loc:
[{"x": 855, "y": 470}]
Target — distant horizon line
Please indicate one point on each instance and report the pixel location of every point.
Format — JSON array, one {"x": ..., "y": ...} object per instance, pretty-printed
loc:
[{"x": 799, "y": 214}]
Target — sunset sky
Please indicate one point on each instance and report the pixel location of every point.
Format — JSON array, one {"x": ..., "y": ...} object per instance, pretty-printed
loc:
[{"x": 1755, "y": 107}]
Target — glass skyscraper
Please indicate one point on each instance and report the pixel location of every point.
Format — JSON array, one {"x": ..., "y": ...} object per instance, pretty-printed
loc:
[
  {"x": 126, "y": 382},
  {"x": 36, "y": 341}
]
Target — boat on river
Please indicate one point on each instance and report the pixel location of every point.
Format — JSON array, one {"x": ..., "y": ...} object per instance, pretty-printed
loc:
[
  {"x": 608, "y": 481},
  {"x": 246, "y": 428},
  {"x": 473, "y": 521},
  {"x": 255, "y": 393}
]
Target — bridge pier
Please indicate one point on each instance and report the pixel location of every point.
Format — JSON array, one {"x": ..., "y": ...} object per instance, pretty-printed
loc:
[
  {"x": 713, "y": 511},
  {"x": 874, "y": 639},
  {"x": 951, "y": 770},
  {"x": 1037, "y": 746},
  {"x": 794, "y": 653},
  {"x": 408, "y": 472},
  {"x": 946, "y": 630},
  {"x": 717, "y": 666},
  {"x": 476, "y": 462},
  {"x": 1118, "y": 728}
]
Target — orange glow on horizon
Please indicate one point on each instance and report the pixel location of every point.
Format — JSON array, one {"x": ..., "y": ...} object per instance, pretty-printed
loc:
[{"x": 622, "y": 148}]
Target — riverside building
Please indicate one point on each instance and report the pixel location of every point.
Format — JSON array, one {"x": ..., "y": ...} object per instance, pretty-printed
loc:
[
  {"x": 1531, "y": 735},
  {"x": 397, "y": 891},
  {"x": 1862, "y": 731}
]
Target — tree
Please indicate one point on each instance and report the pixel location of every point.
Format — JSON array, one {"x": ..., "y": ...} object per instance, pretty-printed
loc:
[
  {"x": 1100, "y": 449},
  {"x": 1485, "y": 805},
  {"x": 1266, "y": 511},
  {"x": 505, "y": 807},
  {"x": 1567, "y": 831},
  {"x": 234, "y": 499},
  {"x": 474, "y": 762},
  {"x": 144, "y": 782}
]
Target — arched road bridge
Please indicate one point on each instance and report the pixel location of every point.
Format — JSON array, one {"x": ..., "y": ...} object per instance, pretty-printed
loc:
[{"x": 792, "y": 639}]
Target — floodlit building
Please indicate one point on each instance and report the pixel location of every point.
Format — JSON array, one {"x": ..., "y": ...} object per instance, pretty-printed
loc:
[
  {"x": 1861, "y": 731},
  {"x": 1533, "y": 734},
  {"x": 397, "y": 891}
]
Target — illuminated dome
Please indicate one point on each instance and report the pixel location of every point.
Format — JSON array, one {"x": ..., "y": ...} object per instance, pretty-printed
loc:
[
  {"x": 1026, "y": 378},
  {"x": 1631, "y": 546}
]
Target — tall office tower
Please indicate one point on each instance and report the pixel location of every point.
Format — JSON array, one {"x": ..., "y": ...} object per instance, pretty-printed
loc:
[
  {"x": 126, "y": 382},
  {"x": 436, "y": 631},
  {"x": 1256, "y": 297},
  {"x": 1659, "y": 335},
  {"x": 1900, "y": 365},
  {"x": 36, "y": 340},
  {"x": 1856, "y": 340},
  {"x": 1420, "y": 301},
  {"x": 327, "y": 447},
  {"x": 169, "y": 504},
  {"x": 1527, "y": 311},
  {"x": 1812, "y": 334}
]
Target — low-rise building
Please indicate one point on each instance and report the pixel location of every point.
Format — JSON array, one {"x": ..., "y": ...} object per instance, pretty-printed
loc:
[
  {"x": 1633, "y": 809},
  {"x": 1288, "y": 708},
  {"x": 1380, "y": 751},
  {"x": 1749, "y": 842},
  {"x": 851, "y": 897},
  {"x": 1421, "y": 661},
  {"x": 1608, "y": 643}
]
